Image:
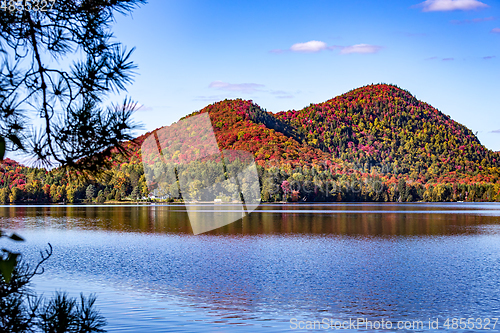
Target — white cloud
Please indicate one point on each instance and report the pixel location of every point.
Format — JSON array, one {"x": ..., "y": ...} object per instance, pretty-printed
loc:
[
  {"x": 240, "y": 87},
  {"x": 449, "y": 5},
  {"x": 311, "y": 46},
  {"x": 495, "y": 30},
  {"x": 360, "y": 48},
  {"x": 212, "y": 98},
  {"x": 315, "y": 46}
]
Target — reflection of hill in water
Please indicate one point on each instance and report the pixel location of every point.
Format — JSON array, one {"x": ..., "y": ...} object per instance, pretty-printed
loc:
[
  {"x": 275, "y": 277},
  {"x": 271, "y": 266},
  {"x": 340, "y": 219}
]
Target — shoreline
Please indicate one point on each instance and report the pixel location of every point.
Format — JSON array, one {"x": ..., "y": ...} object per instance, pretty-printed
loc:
[{"x": 161, "y": 203}]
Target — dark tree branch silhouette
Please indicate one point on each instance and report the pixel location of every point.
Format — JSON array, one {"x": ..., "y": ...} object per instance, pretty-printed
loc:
[{"x": 37, "y": 78}]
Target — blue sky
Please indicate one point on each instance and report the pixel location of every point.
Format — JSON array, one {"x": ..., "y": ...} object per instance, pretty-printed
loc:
[{"x": 287, "y": 54}]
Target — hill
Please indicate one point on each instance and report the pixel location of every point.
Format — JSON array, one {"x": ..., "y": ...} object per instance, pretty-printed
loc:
[
  {"x": 243, "y": 125},
  {"x": 373, "y": 133},
  {"x": 385, "y": 128},
  {"x": 374, "y": 143}
]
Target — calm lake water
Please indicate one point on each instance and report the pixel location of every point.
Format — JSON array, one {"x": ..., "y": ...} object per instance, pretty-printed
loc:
[{"x": 329, "y": 263}]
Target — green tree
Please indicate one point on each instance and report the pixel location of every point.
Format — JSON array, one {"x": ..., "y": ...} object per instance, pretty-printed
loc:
[
  {"x": 90, "y": 192},
  {"x": 61, "y": 193},
  {"x": 53, "y": 193},
  {"x": 402, "y": 190},
  {"x": 4, "y": 195},
  {"x": 118, "y": 195},
  {"x": 135, "y": 193},
  {"x": 100, "y": 197},
  {"x": 70, "y": 194},
  {"x": 111, "y": 195},
  {"x": 14, "y": 194}
]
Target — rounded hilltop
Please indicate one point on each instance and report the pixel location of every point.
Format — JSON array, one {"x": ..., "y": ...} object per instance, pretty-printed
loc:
[
  {"x": 382, "y": 124},
  {"x": 377, "y": 126}
]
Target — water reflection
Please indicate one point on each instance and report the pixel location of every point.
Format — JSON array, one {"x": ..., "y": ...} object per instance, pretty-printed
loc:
[
  {"x": 397, "y": 262},
  {"x": 260, "y": 279},
  {"x": 341, "y": 219}
]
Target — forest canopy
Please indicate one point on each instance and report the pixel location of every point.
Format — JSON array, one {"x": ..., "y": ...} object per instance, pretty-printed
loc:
[{"x": 375, "y": 143}]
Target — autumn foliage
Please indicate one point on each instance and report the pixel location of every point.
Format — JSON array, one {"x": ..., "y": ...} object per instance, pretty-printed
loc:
[{"x": 374, "y": 143}]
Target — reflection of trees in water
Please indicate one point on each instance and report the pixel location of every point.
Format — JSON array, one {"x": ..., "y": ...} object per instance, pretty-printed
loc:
[
  {"x": 174, "y": 219},
  {"x": 272, "y": 264}
]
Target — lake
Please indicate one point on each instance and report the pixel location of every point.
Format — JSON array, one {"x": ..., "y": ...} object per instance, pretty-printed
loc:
[{"x": 277, "y": 270}]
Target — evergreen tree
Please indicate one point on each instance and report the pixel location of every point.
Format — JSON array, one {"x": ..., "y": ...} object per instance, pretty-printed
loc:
[
  {"x": 75, "y": 125},
  {"x": 90, "y": 192}
]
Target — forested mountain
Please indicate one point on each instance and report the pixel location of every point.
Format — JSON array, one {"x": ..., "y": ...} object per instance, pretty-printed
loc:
[
  {"x": 384, "y": 126},
  {"x": 375, "y": 143},
  {"x": 242, "y": 125}
]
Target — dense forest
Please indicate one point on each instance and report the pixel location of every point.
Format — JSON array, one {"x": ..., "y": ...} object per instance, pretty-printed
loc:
[{"x": 375, "y": 143}]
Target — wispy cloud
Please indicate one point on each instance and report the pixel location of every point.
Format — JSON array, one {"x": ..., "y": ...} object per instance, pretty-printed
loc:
[
  {"x": 442, "y": 59},
  {"x": 449, "y": 5},
  {"x": 476, "y": 20},
  {"x": 239, "y": 87},
  {"x": 142, "y": 107},
  {"x": 212, "y": 98},
  {"x": 489, "y": 57},
  {"x": 281, "y": 94},
  {"x": 315, "y": 46},
  {"x": 495, "y": 31},
  {"x": 309, "y": 47},
  {"x": 360, "y": 48}
]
